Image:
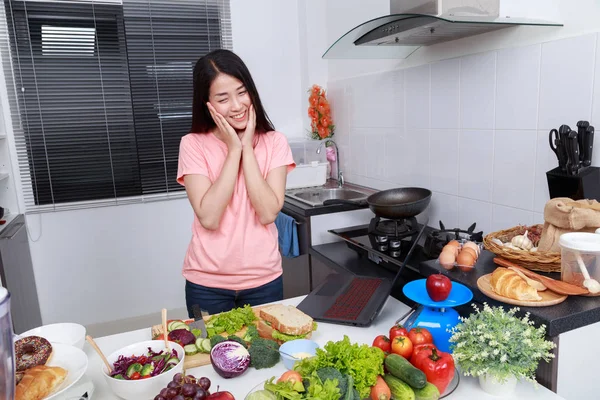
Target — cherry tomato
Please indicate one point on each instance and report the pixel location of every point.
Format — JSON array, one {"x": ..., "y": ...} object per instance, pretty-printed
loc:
[
  {"x": 135, "y": 376},
  {"x": 383, "y": 343},
  {"x": 397, "y": 330},
  {"x": 420, "y": 336},
  {"x": 402, "y": 345}
]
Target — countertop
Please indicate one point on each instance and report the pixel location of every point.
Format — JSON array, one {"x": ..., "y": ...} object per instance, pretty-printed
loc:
[
  {"x": 575, "y": 312},
  {"x": 468, "y": 387},
  {"x": 294, "y": 206}
]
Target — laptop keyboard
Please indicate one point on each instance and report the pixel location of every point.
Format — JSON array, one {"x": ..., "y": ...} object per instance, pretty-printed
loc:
[{"x": 350, "y": 304}]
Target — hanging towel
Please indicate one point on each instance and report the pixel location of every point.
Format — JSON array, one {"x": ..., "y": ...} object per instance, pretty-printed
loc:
[{"x": 288, "y": 235}]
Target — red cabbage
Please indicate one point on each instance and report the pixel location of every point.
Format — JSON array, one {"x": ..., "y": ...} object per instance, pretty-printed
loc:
[
  {"x": 183, "y": 336},
  {"x": 229, "y": 359}
]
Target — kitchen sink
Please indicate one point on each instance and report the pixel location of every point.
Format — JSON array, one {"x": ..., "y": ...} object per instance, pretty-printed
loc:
[{"x": 316, "y": 196}]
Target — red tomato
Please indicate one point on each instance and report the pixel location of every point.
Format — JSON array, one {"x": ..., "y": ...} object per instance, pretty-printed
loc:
[
  {"x": 383, "y": 343},
  {"x": 402, "y": 345},
  {"x": 397, "y": 330},
  {"x": 135, "y": 376},
  {"x": 420, "y": 336}
]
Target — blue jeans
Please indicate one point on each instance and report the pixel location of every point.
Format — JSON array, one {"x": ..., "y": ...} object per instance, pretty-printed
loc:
[{"x": 216, "y": 300}]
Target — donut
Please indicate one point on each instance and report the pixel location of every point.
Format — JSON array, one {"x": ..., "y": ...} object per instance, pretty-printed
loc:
[{"x": 31, "y": 351}]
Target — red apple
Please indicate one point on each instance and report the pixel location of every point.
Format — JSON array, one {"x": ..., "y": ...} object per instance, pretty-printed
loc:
[
  {"x": 438, "y": 287},
  {"x": 221, "y": 396}
]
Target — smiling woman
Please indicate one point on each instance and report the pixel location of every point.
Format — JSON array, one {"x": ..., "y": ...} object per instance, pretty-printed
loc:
[{"x": 234, "y": 166}]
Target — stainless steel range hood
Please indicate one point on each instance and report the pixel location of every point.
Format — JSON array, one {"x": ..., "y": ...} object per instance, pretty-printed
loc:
[{"x": 415, "y": 23}]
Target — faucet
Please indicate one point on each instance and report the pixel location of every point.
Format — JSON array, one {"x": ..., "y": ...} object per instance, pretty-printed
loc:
[{"x": 340, "y": 177}]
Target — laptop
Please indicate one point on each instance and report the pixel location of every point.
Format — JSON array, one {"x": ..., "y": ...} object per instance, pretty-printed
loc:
[{"x": 351, "y": 299}]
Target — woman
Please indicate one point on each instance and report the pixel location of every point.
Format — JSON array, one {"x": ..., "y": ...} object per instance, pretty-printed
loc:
[{"x": 234, "y": 166}]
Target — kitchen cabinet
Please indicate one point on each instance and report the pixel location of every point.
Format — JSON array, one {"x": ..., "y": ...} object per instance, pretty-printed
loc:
[{"x": 16, "y": 271}]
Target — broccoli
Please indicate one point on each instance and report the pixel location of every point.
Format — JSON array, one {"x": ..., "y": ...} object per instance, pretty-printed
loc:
[
  {"x": 332, "y": 373},
  {"x": 264, "y": 353},
  {"x": 251, "y": 334},
  {"x": 216, "y": 339},
  {"x": 237, "y": 339}
]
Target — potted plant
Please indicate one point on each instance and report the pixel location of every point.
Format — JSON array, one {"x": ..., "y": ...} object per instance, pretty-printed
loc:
[{"x": 499, "y": 348}]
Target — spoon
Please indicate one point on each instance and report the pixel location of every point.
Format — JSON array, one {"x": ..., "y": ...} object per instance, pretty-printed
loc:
[
  {"x": 289, "y": 355},
  {"x": 591, "y": 284},
  {"x": 95, "y": 346},
  {"x": 165, "y": 332}
]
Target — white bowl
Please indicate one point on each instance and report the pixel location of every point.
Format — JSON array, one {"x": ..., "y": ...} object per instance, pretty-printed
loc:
[
  {"x": 65, "y": 333},
  {"x": 147, "y": 388}
]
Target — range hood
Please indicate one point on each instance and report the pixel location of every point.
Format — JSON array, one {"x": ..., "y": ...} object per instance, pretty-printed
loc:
[{"x": 415, "y": 23}]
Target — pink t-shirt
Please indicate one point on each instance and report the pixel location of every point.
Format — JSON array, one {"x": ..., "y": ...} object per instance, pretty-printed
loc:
[{"x": 242, "y": 253}]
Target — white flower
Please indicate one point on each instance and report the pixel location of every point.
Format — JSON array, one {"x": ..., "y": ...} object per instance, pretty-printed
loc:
[
  {"x": 496, "y": 352},
  {"x": 503, "y": 358},
  {"x": 484, "y": 354}
]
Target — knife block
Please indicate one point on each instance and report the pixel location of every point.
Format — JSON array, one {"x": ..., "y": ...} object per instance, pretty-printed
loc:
[{"x": 584, "y": 185}]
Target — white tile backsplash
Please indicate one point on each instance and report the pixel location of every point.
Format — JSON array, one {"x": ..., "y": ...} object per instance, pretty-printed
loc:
[
  {"x": 477, "y": 87},
  {"x": 517, "y": 83},
  {"x": 474, "y": 129},
  {"x": 445, "y": 94},
  {"x": 416, "y": 81},
  {"x": 514, "y": 168},
  {"x": 443, "y": 154},
  {"x": 567, "y": 73},
  {"x": 476, "y": 163}
]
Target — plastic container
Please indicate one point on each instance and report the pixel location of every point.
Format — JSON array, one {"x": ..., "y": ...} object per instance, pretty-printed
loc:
[
  {"x": 455, "y": 263},
  {"x": 311, "y": 168},
  {"x": 586, "y": 247}
]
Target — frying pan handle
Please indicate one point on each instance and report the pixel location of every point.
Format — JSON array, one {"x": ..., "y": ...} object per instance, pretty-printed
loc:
[{"x": 359, "y": 203}]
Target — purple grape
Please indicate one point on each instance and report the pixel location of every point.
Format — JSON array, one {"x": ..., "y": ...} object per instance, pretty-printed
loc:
[
  {"x": 159, "y": 397},
  {"x": 172, "y": 385},
  {"x": 178, "y": 378},
  {"x": 172, "y": 393},
  {"x": 200, "y": 394},
  {"x": 179, "y": 397},
  {"x": 190, "y": 379},
  {"x": 204, "y": 383},
  {"x": 188, "y": 390}
]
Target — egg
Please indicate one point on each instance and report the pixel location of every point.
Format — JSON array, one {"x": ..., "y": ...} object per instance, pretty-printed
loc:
[
  {"x": 465, "y": 258},
  {"x": 454, "y": 243},
  {"x": 471, "y": 245},
  {"x": 470, "y": 251},
  {"x": 447, "y": 259},
  {"x": 451, "y": 248}
]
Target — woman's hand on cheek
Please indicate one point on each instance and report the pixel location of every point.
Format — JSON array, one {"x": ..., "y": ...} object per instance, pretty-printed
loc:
[
  {"x": 227, "y": 133},
  {"x": 248, "y": 135}
]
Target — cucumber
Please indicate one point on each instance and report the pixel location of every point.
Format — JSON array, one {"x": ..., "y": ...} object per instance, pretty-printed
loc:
[
  {"x": 133, "y": 368},
  {"x": 429, "y": 392},
  {"x": 173, "y": 361},
  {"x": 399, "y": 389},
  {"x": 179, "y": 325},
  {"x": 401, "y": 368},
  {"x": 170, "y": 325},
  {"x": 147, "y": 370},
  {"x": 119, "y": 376},
  {"x": 203, "y": 345},
  {"x": 190, "y": 349}
]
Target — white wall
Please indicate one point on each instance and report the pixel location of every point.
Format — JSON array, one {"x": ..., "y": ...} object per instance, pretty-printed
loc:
[{"x": 111, "y": 263}]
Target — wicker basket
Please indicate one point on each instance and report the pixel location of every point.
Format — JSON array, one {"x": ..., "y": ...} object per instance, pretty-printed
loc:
[{"x": 544, "y": 261}]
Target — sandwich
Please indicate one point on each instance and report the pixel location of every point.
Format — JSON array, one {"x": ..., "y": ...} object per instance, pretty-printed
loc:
[{"x": 284, "y": 323}]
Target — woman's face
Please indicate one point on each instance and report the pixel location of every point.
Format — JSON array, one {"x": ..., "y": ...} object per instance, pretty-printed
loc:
[{"x": 230, "y": 98}]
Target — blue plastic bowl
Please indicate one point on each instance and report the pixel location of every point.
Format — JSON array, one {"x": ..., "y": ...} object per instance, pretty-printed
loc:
[{"x": 297, "y": 346}]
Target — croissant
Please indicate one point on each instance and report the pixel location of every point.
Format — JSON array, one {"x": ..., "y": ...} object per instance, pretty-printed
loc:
[
  {"x": 38, "y": 382},
  {"x": 509, "y": 284}
]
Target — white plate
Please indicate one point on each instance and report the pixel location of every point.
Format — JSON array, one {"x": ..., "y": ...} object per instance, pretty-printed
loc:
[{"x": 72, "y": 359}]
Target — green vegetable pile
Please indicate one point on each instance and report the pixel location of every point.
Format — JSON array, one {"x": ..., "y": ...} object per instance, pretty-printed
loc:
[
  {"x": 231, "y": 321},
  {"x": 361, "y": 362}
]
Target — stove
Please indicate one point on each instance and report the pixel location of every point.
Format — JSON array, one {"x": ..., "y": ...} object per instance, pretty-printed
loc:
[
  {"x": 382, "y": 240},
  {"x": 438, "y": 238}
]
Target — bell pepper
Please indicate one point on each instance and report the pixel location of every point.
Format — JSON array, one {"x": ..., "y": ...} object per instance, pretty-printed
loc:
[
  {"x": 437, "y": 366},
  {"x": 418, "y": 348}
]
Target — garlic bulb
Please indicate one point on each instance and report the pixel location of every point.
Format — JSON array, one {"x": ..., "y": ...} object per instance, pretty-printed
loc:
[
  {"x": 497, "y": 241},
  {"x": 511, "y": 246},
  {"x": 533, "y": 250},
  {"x": 522, "y": 241}
]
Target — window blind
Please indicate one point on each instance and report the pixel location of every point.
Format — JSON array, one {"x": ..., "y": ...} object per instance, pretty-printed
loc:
[{"x": 101, "y": 94}]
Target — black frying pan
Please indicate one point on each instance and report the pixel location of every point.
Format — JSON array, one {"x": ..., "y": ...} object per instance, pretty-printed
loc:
[{"x": 393, "y": 203}]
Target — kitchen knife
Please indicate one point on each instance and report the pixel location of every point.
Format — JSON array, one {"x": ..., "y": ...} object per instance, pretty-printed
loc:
[
  {"x": 581, "y": 127},
  {"x": 572, "y": 148},
  {"x": 198, "y": 323},
  {"x": 588, "y": 146}
]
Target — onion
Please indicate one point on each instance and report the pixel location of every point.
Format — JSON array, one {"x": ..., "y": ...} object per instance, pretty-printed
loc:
[{"x": 229, "y": 359}]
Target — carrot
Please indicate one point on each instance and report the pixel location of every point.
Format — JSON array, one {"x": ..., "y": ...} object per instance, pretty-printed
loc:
[{"x": 380, "y": 391}]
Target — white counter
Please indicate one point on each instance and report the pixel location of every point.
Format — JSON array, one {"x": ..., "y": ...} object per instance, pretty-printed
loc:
[{"x": 240, "y": 386}]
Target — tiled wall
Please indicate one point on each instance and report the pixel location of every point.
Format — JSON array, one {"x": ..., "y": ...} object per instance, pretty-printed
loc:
[{"x": 473, "y": 129}]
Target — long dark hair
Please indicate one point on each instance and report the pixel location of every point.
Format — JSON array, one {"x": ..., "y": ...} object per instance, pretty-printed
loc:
[{"x": 207, "y": 68}]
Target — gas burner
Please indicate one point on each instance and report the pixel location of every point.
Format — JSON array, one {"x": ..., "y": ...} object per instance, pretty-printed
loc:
[
  {"x": 438, "y": 238},
  {"x": 393, "y": 228}
]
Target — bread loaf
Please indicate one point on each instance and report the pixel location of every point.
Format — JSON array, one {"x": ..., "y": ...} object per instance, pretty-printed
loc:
[
  {"x": 509, "y": 284},
  {"x": 39, "y": 382}
]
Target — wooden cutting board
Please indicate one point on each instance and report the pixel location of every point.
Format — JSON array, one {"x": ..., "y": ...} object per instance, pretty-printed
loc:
[
  {"x": 549, "y": 298},
  {"x": 200, "y": 359}
]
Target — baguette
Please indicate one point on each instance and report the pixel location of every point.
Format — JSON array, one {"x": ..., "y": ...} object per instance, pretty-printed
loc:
[
  {"x": 509, "y": 284},
  {"x": 39, "y": 382}
]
